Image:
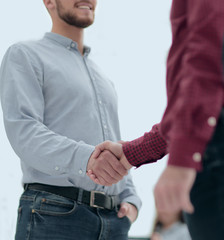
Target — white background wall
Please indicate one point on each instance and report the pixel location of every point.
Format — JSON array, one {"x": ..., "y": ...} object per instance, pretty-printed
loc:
[{"x": 130, "y": 41}]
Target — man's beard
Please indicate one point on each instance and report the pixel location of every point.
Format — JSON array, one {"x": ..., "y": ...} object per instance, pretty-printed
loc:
[{"x": 71, "y": 19}]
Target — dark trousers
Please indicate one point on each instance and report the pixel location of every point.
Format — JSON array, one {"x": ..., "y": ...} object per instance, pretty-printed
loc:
[
  {"x": 207, "y": 195},
  {"x": 46, "y": 216}
]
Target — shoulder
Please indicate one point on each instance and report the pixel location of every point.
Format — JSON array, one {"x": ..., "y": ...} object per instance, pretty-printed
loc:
[
  {"x": 24, "y": 48},
  {"x": 21, "y": 52}
]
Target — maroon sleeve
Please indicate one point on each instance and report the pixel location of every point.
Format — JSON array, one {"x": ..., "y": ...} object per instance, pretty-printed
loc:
[
  {"x": 200, "y": 94},
  {"x": 146, "y": 149}
]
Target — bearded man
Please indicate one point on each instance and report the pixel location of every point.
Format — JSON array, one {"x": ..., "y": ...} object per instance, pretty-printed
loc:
[{"x": 57, "y": 107}]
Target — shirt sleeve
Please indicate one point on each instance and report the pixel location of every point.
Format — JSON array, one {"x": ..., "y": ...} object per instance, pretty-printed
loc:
[
  {"x": 146, "y": 149},
  {"x": 129, "y": 195},
  {"x": 23, "y": 104},
  {"x": 200, "y": 96}
]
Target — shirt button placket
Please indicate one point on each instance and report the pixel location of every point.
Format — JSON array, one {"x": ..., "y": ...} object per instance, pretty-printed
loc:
[
  {"x": 56, "y": 168},
  {"x": 100, "y": 105}
]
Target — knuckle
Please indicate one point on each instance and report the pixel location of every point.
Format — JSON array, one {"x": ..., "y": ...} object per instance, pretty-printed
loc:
[
  {"x": 107, "y": 142},
  {"x": 107, "y": 154},
  {"x": 101, "y": 159},
  {"x": 118, "y": 165}
]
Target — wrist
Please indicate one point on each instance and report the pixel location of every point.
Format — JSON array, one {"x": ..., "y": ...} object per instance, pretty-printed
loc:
[{"x": 125, "y": 162}]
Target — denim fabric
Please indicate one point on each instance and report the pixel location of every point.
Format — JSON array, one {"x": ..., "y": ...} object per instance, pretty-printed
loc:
[
  {"x": 45, "y": 216},
  {"x": 207, "y": 195}
]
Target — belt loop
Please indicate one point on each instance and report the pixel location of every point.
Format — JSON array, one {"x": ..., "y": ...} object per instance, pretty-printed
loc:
[
  {"x": 112, "y": 203},
  {"x": 116, "y": 203},
  {"x": 25, "y": 186},
  {"x": 80, "y": 193}
]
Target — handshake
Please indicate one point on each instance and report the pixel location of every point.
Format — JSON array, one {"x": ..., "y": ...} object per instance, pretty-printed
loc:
[{"x": 108, "y": 164}]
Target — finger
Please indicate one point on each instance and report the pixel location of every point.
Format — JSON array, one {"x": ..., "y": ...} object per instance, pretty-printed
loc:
[
  {"x": 106, "y": 169},
  {"x": 111, "y": 170},
  {"x": 115, "y": 148},
  {"x": 187, "y": 206},
  {"x": 104, "y": 173},
  {"x": 123, "y": 210},
  {"x": 168, "y": 201},
  {"x": 108, "y": 178},
  {"x": 91, "y": 175},
  {"x": 104, "y": 146},
  {"x": 118, "y": 167},
  {"x": 121, "y": 142},
  {"x": 99, "y": 181},
  {"x": 112, "y": 166},
  {"x": 173, "y": 195},
  {"x": 96, "y": 180},
  {"x": 160, "y": 198},
  {"x": 96, "y": 153}
]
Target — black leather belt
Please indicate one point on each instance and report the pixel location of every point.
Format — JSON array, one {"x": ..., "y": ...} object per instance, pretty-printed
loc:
[{"x": 92, "y": 198}]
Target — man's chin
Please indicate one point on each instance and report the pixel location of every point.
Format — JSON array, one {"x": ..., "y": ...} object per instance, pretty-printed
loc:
[
  {"x": 83, "y": 24},
  {"x": 80, "y": 23}
]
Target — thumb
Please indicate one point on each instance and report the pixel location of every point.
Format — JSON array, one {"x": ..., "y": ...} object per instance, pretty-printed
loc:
[
  {"x": 96, "y": 153},
  {"x": 123, "y": 210},
  {"x": 187, "y": 205},
  {"x": 121, "y": 142}
]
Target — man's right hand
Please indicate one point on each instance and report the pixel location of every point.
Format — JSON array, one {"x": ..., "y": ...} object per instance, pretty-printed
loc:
[{"x": 105, "y": 165}]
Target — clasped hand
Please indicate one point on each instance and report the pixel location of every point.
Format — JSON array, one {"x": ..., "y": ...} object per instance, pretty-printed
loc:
[{"x": 108, "y": 164}]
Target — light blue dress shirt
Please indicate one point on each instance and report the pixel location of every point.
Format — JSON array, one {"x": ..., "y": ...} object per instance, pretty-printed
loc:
[{"x": 57, "y": 105}]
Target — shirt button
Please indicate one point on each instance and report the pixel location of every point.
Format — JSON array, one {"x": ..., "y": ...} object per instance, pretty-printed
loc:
[
  {"x": 73, "y": 44},
  {"x": 57, "y": 168},
  {"x": 100, "y": 102},
  {"x": 212, "y": 121},
  {"x": 197, "y": 157},
  {"x": 105, "y": 126},
  {"x": 80, "y": 171}
]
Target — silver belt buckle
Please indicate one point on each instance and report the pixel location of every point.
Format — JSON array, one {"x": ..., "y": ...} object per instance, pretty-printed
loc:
[{"x": 92, "y": 199}]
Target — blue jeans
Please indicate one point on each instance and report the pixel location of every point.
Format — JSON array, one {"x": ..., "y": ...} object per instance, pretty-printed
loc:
[
  {"x": 45, "y": 216},
  {"x": 207, "y": 195}
]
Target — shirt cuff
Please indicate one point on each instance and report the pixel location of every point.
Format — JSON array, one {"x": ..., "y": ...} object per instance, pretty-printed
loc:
[
  {"x": 134, "y": 152},
  {"x": 186, "y": 152},
  {"x": 134, "y": 200},
  {"x": 81, "y": 159}
]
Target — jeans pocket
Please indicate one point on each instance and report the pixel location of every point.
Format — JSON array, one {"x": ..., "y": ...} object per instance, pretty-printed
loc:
[
  {"x": 54, "y": 206},
  {"x": 128, "y": 220}
]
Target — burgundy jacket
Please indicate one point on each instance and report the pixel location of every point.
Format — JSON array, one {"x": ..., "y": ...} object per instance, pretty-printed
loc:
[{"x": 195, "y": 88}]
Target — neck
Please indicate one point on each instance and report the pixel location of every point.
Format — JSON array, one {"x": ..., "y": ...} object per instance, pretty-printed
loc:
[{"x": 72, "y": 32}]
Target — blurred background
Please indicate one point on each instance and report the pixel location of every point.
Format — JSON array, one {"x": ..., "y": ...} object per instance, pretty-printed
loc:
[{"x": 130, "y": 42}]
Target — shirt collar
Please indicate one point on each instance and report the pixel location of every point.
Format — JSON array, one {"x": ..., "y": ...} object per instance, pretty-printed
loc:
[{"x": 66, "y": 42}]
